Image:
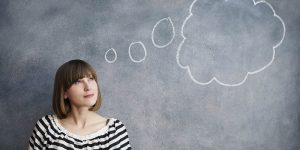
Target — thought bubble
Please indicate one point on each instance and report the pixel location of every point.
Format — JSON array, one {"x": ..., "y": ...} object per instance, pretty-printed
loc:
[
  {"x": 138, "y": 47},
  {"x": 163, "y": 33},
  {"x": 111, "y": 53},
  {"x": 227, "y": 40}
]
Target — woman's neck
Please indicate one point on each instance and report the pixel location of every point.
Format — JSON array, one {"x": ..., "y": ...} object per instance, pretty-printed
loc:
[{"x": 80, "y": 117}]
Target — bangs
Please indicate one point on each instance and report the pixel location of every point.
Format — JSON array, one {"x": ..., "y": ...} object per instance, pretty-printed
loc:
[{"x": 77, "y": 71}]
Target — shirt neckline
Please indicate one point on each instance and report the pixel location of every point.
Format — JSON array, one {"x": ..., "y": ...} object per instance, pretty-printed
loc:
[{"x": 81, "y": 137}]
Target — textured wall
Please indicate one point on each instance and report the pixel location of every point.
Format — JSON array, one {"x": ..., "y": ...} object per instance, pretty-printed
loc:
[{"x": 206, "y": 74}]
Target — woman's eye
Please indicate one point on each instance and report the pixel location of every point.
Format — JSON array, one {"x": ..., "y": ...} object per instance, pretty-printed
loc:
[
  {"x": 92, "y": 78},
  {"x": 77, "y": 82}
]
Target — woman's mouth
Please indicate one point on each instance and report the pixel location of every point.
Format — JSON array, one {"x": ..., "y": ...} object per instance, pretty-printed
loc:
[{"x": 88, "y": 96}]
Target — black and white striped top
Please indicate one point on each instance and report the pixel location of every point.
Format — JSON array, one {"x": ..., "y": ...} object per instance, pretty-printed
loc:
[{"x": 49, "y": 134}]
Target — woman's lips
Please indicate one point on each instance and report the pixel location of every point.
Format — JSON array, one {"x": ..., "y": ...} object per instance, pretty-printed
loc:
[{"x": 88, "y": 96}]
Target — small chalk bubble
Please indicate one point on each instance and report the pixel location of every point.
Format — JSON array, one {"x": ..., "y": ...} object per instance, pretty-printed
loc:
[
  {"x": 163, "y": 33},
  {"x": 138, "y": 46},
  {"x": 111, "y": 55}
]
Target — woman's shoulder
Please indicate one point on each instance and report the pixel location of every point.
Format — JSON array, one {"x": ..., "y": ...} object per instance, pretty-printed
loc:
[
  {"x": 45, "y": 119},
  {"x": 115, "y": 124},
  {"x": 118, "y": 134},
  {"x": 43, "y": 124}
]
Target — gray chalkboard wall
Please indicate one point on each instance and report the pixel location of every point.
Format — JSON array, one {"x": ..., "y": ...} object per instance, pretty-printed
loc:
[{"x": 180, "y": 74}]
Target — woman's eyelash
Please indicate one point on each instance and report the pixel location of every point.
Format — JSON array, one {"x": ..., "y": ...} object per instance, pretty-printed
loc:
[{"x": 78, "y": 81}]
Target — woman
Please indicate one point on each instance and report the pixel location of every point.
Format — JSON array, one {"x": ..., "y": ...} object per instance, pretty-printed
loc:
[{"x": 75, "y": 124}]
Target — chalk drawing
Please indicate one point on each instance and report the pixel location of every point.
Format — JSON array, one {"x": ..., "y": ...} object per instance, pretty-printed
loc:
[
  {"x": 188, "y": 69},
  {"x": 144, "y": 49},
  {"x": 115, "y": 55},
  {"x": 168, "y": 19}
]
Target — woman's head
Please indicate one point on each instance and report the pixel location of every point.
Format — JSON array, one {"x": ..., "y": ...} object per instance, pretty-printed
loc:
[{"x": 70, "y": 76}]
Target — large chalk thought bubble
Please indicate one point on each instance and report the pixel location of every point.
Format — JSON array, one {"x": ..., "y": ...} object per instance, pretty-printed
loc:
[{"x": 227, "y": 40}]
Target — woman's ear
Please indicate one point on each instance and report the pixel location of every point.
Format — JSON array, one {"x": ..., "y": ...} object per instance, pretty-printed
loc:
[{"x": 65, "y": 95}]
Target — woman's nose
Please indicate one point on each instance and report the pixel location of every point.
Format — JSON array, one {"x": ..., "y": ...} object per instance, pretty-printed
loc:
[{"x": 87, "y": 86}]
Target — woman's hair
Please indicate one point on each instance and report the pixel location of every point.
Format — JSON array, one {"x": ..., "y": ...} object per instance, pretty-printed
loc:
[{"x": 66, "y": 75}]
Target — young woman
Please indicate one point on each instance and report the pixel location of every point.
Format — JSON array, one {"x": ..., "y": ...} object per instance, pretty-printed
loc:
[{"x": 75, "y": 124}]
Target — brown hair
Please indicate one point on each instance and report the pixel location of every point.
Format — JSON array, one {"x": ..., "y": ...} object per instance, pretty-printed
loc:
[{"x": 66, "y": 75}]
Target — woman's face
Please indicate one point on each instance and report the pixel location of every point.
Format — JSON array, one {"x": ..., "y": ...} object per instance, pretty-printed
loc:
[{"x": 83, "y": 93}]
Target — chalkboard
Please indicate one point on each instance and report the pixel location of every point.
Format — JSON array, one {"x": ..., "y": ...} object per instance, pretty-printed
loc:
[{"x": 180, "y": 74}]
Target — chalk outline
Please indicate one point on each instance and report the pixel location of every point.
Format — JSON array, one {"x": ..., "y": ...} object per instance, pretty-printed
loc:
[
  {"x": 248, "y": 73},
  {"x": 173, "y": 32},
  {"x": 129, "y": 49},
  {"x": 116, "y": 56}
]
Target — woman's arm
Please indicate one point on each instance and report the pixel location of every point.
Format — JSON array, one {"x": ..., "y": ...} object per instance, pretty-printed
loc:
[
  {"x": 37, "y": 139},
  {"x": 118, "y": 138}
]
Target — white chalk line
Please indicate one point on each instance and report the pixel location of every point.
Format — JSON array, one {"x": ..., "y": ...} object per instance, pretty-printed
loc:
[
  {"x": 115, "y": 56},
  {"x": 144, "y": 48},
  {"x": 248, "y": 73},
  {"x": 173, "y": 32}
]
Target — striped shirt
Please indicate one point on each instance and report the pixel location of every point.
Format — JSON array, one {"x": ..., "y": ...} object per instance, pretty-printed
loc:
[{"x": 49, "y": 134}]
